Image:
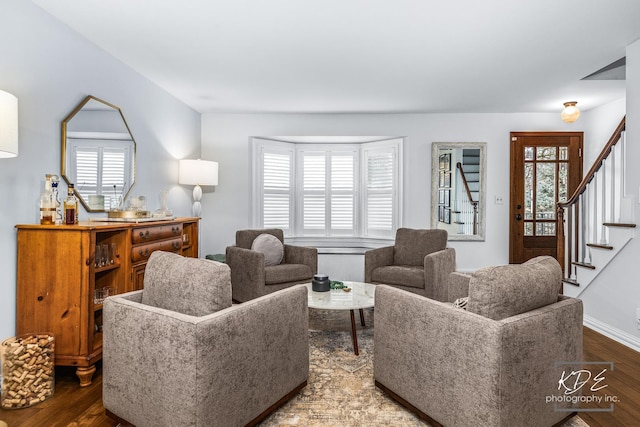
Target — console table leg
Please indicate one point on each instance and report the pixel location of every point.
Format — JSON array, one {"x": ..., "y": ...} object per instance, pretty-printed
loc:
[
  {"x": 362, "y": 317},
  {"x": 85, "y": 374},
  {"x": 354, "y": 337}
]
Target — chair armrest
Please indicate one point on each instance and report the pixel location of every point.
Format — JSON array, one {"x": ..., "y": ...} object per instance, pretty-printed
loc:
[
  {"x": 247, "y": 273},
  {"x": 458, "y": 286},
  {"x": 437, "y": 267},
  {"x": 301, "y": 255},
  {"x": 375, "y": 258},
  {"x": 251, "y": 353}
]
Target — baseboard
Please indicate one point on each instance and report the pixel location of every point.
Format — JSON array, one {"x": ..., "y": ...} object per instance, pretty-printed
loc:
[{"x": 615, "y": 334}]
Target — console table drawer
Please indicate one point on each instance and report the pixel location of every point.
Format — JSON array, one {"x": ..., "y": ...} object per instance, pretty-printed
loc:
[
  {"x": 142, "y": 252},
  {"x": 149, "y": 234}
]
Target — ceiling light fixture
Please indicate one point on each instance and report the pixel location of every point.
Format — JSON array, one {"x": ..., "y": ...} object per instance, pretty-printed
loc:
[{"x": 570, "y": 113}]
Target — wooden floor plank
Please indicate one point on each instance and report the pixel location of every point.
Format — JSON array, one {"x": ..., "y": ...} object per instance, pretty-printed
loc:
[{"x": 73, "y": 406}]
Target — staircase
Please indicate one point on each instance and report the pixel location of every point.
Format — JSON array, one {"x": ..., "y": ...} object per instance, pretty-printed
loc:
[
  {"x": 593, "y": 225},
  {"x": 471, "y": 171},
  {"x": 465, "y": 209}
]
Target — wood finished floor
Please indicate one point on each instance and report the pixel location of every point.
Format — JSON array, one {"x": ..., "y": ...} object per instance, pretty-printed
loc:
[{"x": 74, "y": 406}]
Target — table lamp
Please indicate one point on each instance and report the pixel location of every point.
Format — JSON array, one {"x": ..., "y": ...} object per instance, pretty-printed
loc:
[{"x": 198, "y": 172}]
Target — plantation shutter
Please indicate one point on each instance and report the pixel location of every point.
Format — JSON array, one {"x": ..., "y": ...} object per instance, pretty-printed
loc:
[
  {"x": 380, "y": 192},
  {"x": 277, "y": 171},
  {"x": 343, "y": 193}
]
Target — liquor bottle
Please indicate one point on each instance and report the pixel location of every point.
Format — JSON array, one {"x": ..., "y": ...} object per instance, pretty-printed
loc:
[
  {"x": 55, "y": 181},
  {"x": 71, "y": 207},
  {"x": 47, "y": 204}
]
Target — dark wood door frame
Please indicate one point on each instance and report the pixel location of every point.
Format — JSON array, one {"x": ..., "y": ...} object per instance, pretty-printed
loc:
[{"x": 521, "y": 246}]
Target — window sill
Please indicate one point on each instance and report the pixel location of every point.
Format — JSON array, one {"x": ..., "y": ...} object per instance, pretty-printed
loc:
[{"x": 346, "y": 246}]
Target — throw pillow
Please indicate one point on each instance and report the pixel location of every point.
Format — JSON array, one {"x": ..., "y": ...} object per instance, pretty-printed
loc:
[{"x": 271, "y": 247}]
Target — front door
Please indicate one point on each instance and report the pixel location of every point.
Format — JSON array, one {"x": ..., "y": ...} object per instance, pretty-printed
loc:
[{"x": 546, "y": 167}]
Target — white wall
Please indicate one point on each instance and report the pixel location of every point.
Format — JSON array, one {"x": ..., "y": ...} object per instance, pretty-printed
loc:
[
  {"x": 225, "y": 138},
  {"x": 50, "y": 69},
  {"x": 611, "y": 300}
]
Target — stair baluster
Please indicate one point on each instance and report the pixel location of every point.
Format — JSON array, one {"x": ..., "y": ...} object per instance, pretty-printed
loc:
[{"x": 594, "y": 207}]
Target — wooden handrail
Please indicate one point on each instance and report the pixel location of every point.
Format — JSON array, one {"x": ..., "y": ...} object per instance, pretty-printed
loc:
[
  {"x": 615, "y": 137},
  {"x": 466, "y": 184},
  {"x": 582, "y": 187},
  {"x": 473, "y": 202}
]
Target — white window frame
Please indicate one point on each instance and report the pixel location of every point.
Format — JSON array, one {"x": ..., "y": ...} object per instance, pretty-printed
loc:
[{"x": 361, "y": 233}]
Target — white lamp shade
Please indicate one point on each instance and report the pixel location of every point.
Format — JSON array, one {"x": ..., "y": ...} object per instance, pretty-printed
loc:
[
  {"x": 8, "y": 125},
  {"x": 198, "y": 172}
]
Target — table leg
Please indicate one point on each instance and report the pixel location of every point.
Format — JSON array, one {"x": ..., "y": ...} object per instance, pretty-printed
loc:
[
  {"x": 354, "y": 337},
  {"x": 362, "y": 317}
]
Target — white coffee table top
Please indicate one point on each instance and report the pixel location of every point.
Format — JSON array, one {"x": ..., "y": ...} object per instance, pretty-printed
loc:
[{"x": 360, "y": 296}]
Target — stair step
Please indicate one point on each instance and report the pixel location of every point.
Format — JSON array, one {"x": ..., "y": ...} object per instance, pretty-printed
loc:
[
  {"x": 595, "y": 245},
  {"x": 584, "y": 264},
  {"x": 571, "y": 282},
  {"x": 619, "y": 224}
]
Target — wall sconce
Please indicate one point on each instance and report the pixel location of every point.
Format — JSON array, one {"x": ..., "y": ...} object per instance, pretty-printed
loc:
[
  {"x": 8, "y": 125},
  {"x": 570, "y": 113},
  {"x": 198, "y": 172}
]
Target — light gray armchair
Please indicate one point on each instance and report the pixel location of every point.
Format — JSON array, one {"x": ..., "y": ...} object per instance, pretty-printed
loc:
[
  {"x": 418, "y": 262},
  {"x": 251, "y": 277},
  {"x": 493, "y": 364},
  {"x": 179, "y": 354}
]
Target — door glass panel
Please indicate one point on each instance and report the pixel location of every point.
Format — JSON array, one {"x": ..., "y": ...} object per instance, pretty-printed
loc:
[
  {"x": 545, "y": 153},
  {"x": 563, "y": 153},
  {"x": 528, "y": 229},
  {"x": 545, "y": 229},
  {"x": 545, "y": 191},
  {"x": 563, "y": 177},
  {"x": 528, "y": 153},
  {"x": 528, "y": 191}
]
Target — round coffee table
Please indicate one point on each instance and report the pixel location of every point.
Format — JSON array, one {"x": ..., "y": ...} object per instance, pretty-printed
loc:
[{"x": 360, "y": 297}]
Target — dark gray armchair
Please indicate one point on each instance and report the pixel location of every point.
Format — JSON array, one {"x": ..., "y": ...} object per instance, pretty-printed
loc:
[
  {"x": 418, "y": 262},
  {"x": 179, "y": 354},
  {"x": 251, "y": 278},
  {"x": 496, "y": 363}
]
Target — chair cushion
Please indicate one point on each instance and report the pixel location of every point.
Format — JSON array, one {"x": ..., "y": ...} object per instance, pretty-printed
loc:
[
  {"x": 192, "y": 286},
  {"x": 507, "y": 290},
  {"x": 412, "y": 246},
  {"x": 405, "y": 275},
  {"x": 271, "y": 247},
  {"x": 284, "y": 273}
]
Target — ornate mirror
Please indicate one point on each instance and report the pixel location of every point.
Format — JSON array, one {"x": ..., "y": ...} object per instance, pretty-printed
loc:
[
  {"x": 98, "y": 154},
  {"x": 458, "y": 187}
]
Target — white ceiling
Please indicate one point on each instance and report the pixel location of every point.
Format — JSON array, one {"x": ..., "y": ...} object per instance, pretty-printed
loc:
[{"x": 365, "y": 56}]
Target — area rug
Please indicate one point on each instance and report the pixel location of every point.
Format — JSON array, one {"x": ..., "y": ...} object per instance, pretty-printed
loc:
[{"x": 340, "y": 390}]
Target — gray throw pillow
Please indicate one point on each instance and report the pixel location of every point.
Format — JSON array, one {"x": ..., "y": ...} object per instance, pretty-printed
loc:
[{"x": 271, "y": 247}]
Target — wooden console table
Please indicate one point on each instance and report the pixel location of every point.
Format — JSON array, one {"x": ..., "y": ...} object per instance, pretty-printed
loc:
[{"x": 57, "y": 277}]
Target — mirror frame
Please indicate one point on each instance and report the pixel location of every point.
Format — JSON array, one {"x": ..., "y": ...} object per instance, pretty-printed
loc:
[
  {"x": 435, "y": 161},
  {"x": 65, "y": 122}
]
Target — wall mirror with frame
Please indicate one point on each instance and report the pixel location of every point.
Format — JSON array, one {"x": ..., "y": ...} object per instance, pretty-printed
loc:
[
  {"x": 458, "y": 189},
  {"x": 98, "y": 154}
]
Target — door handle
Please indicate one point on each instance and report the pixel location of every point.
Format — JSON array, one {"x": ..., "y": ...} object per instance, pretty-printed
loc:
[{"x": 518, "y": 217}]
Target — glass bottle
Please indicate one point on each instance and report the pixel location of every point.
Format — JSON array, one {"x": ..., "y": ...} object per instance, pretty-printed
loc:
[
  {"x": 47, "y": 204},
  {"x": 71, "y": 207},
  {"x": 56, "y": 198}
]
